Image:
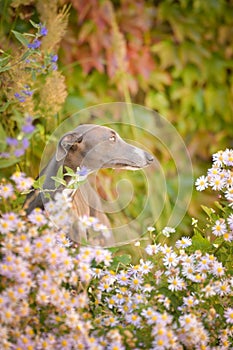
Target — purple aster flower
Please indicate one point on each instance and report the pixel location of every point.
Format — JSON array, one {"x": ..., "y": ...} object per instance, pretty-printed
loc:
[
  {"x": 11, "y": 141},
  {"x": 54, "y": 58},
  {"x": 28, "y": 128},
  {"x": 43, "y": 30},
  {"x": 35, "y": 44},
  {"x": 25, "y": 143},
  {"x": 27, "y": 92},
  {"x": 19, "y": 97},
  {"x": 83, "y": 171},
  {"x": 19, "y": 152}
]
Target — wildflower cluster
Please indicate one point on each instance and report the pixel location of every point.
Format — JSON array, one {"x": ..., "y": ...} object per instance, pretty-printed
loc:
[
  {"x": 44, "y": 298},
  {"x": 220, "y": 178},
  {"x": 18, "y": 146},
  {"x": 35, "y": 61},
  {"x": 32, "y": 56},
  {"x": 55, "y": 294},
  {"x": 21, "y": 92},
  {"x": 21, "y": 182}
]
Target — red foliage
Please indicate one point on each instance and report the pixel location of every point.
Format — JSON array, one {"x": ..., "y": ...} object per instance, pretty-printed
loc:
[{"x": 91, "y": 40}]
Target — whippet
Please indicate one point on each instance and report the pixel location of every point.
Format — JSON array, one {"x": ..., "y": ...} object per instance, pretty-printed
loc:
[{"x": 94, "y": 147}]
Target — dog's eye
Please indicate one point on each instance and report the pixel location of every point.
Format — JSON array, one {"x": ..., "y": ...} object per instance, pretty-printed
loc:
[{"x": 112, "y": 138}]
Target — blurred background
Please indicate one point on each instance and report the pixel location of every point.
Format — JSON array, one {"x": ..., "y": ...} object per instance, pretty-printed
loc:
[{"x": 174, "y": 57}]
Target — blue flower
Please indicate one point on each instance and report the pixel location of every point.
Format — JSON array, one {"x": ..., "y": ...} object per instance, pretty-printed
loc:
[
  {"x": 28, "y": 128},
  {"x": 54, "y": 58},
  {"x": 19, "y": 152},
  {"x": 43, "y": 30},
  {"x": 19, "y": 97},
  {"x": 83, "y": 171},
  {"x": 11, "y": 141},
  {"x": 27, "y": 92},
  {"x": 35, "y": 44}
]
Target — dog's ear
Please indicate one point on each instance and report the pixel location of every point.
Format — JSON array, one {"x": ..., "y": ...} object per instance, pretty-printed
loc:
[{"x": 66, "y": 142}]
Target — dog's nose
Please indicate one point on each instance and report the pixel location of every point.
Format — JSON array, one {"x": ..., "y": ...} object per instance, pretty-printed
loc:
[{"x": 149, "y": 157}]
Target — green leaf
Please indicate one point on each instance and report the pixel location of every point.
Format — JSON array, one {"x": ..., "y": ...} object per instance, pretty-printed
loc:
[
  {"x": 60, "y": 172},
  {"x": 58, "y": 181},
  {"x": 208, "y": 211},
  {"x": 38, "y": 184},
  {"x": 166, "y": 52},
  {"x": 69, "y": 171},
  {"x": 26, "y": 55},
  {"x": 199, "y": 242},
  {"x": 219, "y": 206},
  {"x": 5, "y": 163},
  {"x": 21, "y": 38},
  {"x": 35, "y": 25},
  {"x": 123, "y": 259}
]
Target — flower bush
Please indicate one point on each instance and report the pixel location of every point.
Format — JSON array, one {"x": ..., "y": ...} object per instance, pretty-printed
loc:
[
  {"x": 33, "y": 87},
  {"x": 56, "y": 294}
]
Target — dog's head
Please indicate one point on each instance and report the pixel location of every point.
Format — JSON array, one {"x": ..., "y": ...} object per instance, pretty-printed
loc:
[{"x": 96, "y": 147}]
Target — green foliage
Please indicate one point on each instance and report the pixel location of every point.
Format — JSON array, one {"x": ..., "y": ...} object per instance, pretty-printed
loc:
[
  {"x": 121, "y": 260},
  {"x": 199, "y": 242},
  {"x": 21, "y": 38}
]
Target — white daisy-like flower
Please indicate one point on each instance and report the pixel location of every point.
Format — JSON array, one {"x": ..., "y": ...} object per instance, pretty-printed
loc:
[
  {"x": 145, "y": 266},
  {"x": 217, "y": 183},
  {"x": 218, "y": 158},
  {"x": 184, "y": 242},
  {"x": 202, "y": 183},
  {"x": 219, "y": 228},
  {"x": 218, "y": 269},
  {"x": 133, "y": 319},
  {"x": 228, "y": 157},
  {"x": 175, "y": 283},
  {"x": 170, "y": 260}
]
